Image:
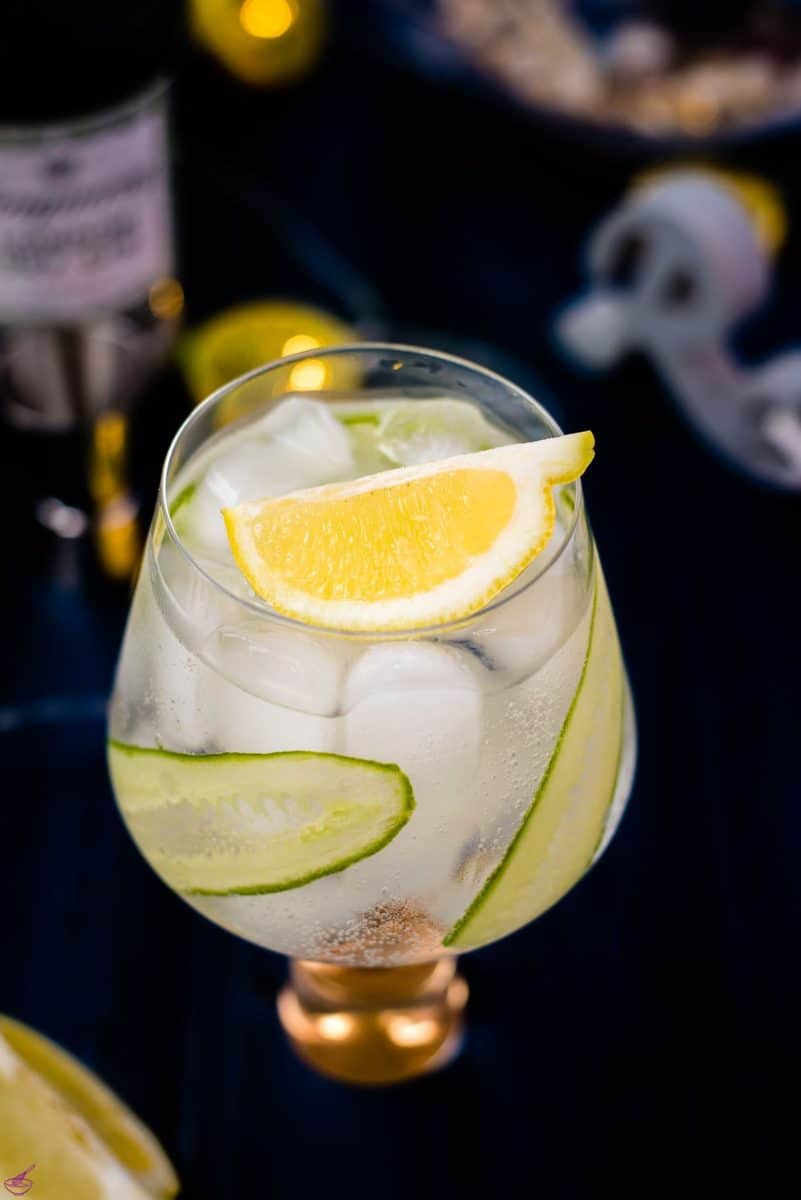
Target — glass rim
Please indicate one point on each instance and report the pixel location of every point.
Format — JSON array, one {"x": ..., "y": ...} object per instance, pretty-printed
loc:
[
  {"x": 259, "y": 608},
  {"x": 90, "y": 122}
]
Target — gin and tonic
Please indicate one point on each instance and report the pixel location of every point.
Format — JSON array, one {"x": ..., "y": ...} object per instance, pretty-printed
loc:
[{"x": 370, "y": 710}]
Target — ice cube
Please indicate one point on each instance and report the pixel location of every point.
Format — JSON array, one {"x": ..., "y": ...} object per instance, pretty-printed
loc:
[
  {"x": 247, "y": 471},
  {"x": 158, "y": 698},
  {"x": 397, "y": 669},
  {"x": 286, "y": 668},
  {"x": 275, "y": 689},
  {"x": 298, "y": 444},
  {"x": 308, "y": 432},
  {"x": 418, "y": 705},
  {"x": 421, "y": 431},
  {"x": 245, "y": 724},
  {"x": 191, "y": 604},
  {"x": 518, "y": 636}
]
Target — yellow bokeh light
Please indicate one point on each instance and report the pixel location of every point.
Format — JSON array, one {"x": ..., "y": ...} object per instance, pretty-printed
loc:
[
  {"x": 166, "y": 298},
  {"x": 309, "y": 376},
  {"x": 107, "y": 453},
  {"x": 267, "y": 19},
  {"x": 109, "y": 433},
  {"x": 265, "y": 43},
  {"x": 298, "y": 343},
  {"x": 117, "y": 538}
]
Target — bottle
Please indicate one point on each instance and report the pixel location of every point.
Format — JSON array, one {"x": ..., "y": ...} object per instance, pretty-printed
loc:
[{"x": 88, "y": 295}]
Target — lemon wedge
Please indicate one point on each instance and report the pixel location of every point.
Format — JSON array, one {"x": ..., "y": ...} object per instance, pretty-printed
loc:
[
  {"x": 65, "y": 1133},
  {"x": 417, "y": 546}
]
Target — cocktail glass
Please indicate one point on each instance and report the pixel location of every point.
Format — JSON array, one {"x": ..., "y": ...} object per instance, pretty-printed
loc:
[{"x": 489, "y": 759}]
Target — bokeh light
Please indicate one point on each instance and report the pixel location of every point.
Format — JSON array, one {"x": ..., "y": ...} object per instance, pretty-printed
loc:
[
  {"x": 298, "y": 343},
  {"x": 265, "y": 43},
  {"x": 267, "y": 18},
  {"x": 166, "y": 299},
  {"x": 250, "y": 335},
  {"x": 308, "y": 376}
]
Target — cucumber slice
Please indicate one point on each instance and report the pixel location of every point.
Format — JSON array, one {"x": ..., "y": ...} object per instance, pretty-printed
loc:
[
  {"x": 360, "y": 412},
  {"x": 366, "y": 417},
  {"x": 248, "y": 824},
  {"x": 556, "y": 842},
  {"x": 179, "y": 507},
  {"x": 182, "y": 499}
]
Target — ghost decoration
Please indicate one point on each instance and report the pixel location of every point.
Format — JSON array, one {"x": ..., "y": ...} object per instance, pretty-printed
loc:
[{"x": 673, "y": 271}]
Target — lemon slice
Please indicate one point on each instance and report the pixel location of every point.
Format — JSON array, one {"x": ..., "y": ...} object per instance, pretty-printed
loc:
[
  {"x": 249, "y": 824},
  {"x": 126, "y": 1137},
  {"x": 241, "y": 338},
  {"x": 560, "y": 833},
  {"x": 416, "y": 546},
  {"x": 64, "y": 1134}
]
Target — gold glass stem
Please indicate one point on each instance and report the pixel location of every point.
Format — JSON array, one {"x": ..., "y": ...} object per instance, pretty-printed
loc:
[{"x": 374, "y": 1025}]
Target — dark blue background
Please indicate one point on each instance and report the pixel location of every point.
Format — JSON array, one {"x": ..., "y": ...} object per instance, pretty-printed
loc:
[{"x": 641, "y": 1037}]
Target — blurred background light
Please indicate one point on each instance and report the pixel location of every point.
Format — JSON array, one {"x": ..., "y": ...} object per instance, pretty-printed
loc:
[
  {"x": 166, "y": 299},
  {"x": 308, "y": 376},
  {"x": 298, "y": 343},
  {"x": 264, "y": 43},
  {"x": 267, "y": 18},
  {"x": 250, "y": 335}
]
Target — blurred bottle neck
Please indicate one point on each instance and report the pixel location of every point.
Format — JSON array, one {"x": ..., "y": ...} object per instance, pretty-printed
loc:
[{"x": 62, "y": 61}]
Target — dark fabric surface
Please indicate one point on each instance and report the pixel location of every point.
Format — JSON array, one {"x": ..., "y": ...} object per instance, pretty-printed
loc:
[{"x": 642, "y": 1036}]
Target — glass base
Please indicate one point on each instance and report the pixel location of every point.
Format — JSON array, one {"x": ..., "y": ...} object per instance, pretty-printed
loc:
[{"x": 374, "y": 1025}]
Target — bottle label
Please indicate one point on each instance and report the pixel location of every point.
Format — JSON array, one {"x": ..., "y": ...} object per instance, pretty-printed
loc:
[{"x": 85, "y": 217}]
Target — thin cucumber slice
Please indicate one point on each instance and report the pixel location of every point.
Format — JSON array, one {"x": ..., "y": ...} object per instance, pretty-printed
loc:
[
  {"x": 556, "y": 842},
  {"x": 367, "y": 417},
  {"x": 180, "y": 506},
  {"x": 182, "y": 499},
  {"x": 248, "y": 824}
]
